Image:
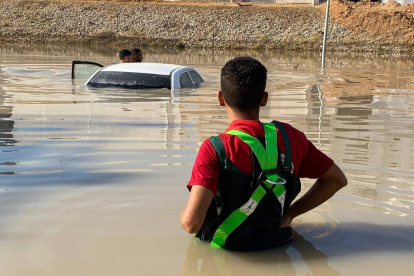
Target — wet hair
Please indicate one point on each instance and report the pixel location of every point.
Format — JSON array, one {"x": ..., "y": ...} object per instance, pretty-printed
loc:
[
  {"x": 135, "y": 51},
  {"x": 124, "y": 53},
  {"x": 243, "y": 83}
]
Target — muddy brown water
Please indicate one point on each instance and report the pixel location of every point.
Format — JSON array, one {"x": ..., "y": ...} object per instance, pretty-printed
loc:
[{"x": 92, "y": 182}]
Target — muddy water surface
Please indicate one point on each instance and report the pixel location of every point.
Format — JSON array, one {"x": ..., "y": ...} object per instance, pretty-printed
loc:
[{"x": 92, "y": 181}]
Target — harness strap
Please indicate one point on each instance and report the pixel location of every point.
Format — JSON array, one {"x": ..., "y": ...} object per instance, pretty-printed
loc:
[
  {"x": 219, "y": 148},
  {"x": 237, "y": 217},
  {"x": 268, "y": 159},
  {"x": 288, "y": 155},
  {"x": 221, "y": 153}
]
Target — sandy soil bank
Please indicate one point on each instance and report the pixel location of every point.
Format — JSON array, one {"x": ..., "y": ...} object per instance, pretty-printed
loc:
[{"x": 221, "y": 25}]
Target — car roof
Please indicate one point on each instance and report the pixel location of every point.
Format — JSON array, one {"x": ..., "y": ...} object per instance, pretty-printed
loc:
[{"x": 145, "y": 68}]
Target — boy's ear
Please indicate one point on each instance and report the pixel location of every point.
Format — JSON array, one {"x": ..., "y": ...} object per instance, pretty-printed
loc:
[
  {"x": 220, "y": 98},
  {"x": 264, "y": 99}
]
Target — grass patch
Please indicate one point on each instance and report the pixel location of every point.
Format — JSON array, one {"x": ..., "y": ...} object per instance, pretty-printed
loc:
[{"x": 179, "y": 45}]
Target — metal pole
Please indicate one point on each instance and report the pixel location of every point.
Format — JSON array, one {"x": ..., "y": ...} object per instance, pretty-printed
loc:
[{"x": 325, "y": 34}]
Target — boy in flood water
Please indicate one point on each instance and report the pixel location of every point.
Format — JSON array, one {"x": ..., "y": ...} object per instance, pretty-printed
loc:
[{"x": 244, "y": 180}]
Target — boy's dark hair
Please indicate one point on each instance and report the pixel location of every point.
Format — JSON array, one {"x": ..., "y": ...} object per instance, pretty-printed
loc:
[
  {"x": 243, "y": 82},
  {"x": 124, "y": 53},
  {"x": 135, "y": 51}
]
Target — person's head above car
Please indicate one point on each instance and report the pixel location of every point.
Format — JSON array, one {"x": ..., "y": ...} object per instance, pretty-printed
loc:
[
  {"x": 125, "y": 56},
  {"x": 136, "y": 55}
]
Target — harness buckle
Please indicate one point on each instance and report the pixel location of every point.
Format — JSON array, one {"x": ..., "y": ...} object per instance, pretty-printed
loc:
[
  {"x": 264, "y": 176},
  {"x": 282, "y": 182}
]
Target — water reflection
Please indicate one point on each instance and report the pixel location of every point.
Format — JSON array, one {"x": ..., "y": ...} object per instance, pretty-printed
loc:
[
  {"x": 353, "y": 121},
  {"x": 6, "y": 123},
  {"x": 202, "y": 259},
  {"x": 282, "y": 59},
  {"x": 6, "y": 136}
]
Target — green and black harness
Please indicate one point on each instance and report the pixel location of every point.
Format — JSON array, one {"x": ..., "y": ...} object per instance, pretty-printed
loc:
[{"x": 247, "y": 211}]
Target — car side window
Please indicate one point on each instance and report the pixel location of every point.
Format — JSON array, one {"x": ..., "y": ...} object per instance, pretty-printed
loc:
[
  {"x": 195, "y": 77},
  {"x": 185, "y": 80}
]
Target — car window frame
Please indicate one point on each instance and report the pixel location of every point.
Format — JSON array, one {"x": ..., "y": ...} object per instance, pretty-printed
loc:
[
  {"x": 74, "y": 62},
  {"x": 186, "y": 72},
  {"x": 194, "y": 83}
]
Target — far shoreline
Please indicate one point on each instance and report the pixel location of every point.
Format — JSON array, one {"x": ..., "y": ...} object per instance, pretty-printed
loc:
[{"x": 209, "y": 25}]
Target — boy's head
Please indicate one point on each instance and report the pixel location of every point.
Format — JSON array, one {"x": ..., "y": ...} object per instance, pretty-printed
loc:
[
  {"x": 124, "y": 56},
  {"x": 137, "y": 55},
  {"x": 243, "y": 84}
]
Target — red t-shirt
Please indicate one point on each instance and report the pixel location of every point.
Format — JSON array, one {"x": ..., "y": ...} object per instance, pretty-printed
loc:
[{"x": 307, "y": 160}]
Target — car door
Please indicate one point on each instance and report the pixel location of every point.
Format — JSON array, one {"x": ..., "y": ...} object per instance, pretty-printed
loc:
[{"x": 84, "y": 69}]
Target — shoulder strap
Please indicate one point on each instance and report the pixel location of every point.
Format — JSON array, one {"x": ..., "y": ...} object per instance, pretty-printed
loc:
[
  {"x": 225, "y": 163},
  {"x": 288, "y": 156},
  {"x": 219, "y": 148}
]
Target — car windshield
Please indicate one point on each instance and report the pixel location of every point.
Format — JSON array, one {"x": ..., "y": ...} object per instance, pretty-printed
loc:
[{"x": 129, "y": 80}]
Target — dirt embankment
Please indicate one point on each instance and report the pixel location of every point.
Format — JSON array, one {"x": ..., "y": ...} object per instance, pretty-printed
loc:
[
  {"x": 195, "y": 24},
  {"x": 390, "y": 23}
]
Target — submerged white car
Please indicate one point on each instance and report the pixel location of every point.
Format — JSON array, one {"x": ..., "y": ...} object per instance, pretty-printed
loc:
[{"x": 137, "y": 75}]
